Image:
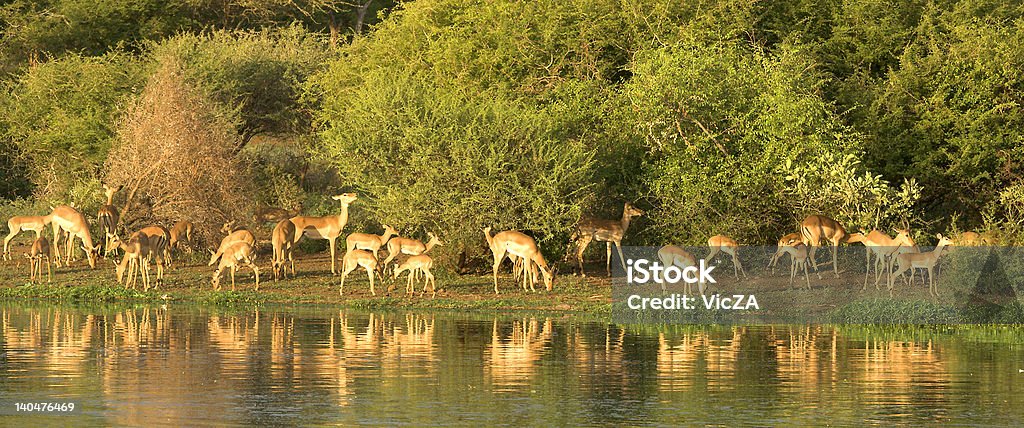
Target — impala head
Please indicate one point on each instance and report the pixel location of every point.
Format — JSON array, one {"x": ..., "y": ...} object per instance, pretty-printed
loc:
[
  {"x": 434, "y": 239},
  {"x": 855, "y": 237},
  {"x": 215, "y": 282},
  {"x": 92, "y": 252},
  {"x": 345, "y": 198},
  {"x": 549, "y": 278},
  {"x": 227, "y": 227},
  {"x": 388, "y": 230},
  {"x": 943, "y": 241},
  {"x": 631, "y": 211}
]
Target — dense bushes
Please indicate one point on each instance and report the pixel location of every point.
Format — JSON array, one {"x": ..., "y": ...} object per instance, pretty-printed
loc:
[
  {"x": 724, "y": 116},
  {"x": 430, "y": 158}
]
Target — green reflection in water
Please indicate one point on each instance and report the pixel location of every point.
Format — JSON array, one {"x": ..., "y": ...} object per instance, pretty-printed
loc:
[{"x": 181, "y": 365}]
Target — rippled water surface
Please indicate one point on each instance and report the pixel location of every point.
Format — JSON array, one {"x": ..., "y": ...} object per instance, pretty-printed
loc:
[{"x": 179, "y": 365}]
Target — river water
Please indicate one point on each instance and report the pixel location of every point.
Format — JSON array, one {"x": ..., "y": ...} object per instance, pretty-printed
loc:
[{"x": 180, "y": 365}]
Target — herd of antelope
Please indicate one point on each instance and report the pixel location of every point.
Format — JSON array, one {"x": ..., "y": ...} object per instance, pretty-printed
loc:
[{"x": 155, "y": 244}]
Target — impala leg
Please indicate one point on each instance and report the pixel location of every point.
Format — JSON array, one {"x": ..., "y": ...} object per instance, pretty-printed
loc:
[
  {"x": 737, "y": 265},
  {"x": 332, "y": 241},
  {"x": 806, "y": 279},
  {"x": 582, "y": 247},
  {"x": 608, "y": 258},
  {"x": 256, "y": 272},
  {"x": 867, "y": 266},
  {"x": 369, "y": 274},
  {"x": 835, "y": 257},
  {"x": 49, "y": 271},
  {"x": 622, "y": 259},
  {"x": 499, "y": 255},
  {"x": 7, "y": 241},
  {"x": 233, "y": 268}
]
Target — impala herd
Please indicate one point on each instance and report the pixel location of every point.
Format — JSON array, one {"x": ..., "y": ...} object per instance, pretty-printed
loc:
[{"x": 156, "y": 244}]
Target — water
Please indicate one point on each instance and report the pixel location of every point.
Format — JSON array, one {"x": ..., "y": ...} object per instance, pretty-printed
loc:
[{"x": 179, "y": 365}]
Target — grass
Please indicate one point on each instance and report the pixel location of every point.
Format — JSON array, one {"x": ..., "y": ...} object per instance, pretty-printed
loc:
[
  {"x": 189, "y": 282},
  {"x": 834, "y": 300}
]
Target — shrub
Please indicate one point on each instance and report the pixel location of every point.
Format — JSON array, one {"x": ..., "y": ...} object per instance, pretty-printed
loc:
[{"x": 176, "y": 158}]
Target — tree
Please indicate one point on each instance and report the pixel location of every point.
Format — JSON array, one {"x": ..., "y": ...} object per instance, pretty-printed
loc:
[{"x": 176, "y": 158}]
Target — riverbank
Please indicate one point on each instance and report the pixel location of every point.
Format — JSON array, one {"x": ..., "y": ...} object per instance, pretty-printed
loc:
[
  {"x": 189, "y": 282},
  {"x": 831, "y": 300}
]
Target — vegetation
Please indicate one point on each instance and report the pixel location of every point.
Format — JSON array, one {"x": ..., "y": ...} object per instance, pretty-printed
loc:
[{"x": 724, "y": 116}]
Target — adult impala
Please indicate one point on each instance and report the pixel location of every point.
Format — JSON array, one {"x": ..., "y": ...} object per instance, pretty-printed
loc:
[
  {"x": 369, "y": 241},
  {"x": 927, "y": 260},
  {"x": 108, "y": 216},
  {"x": 181, "y": 236},
  {"x": 328, "y": 228},
  {"x": 68, "y": 219},
  {"x": 672, "y": 255},
  {"x": 282, "y": 240},
  {"x": 883, "y": 247},
  {"x": 520, "y": 245},
  {"x": 814, "y": 228},
  {"x": 607, "y": 231},
  {"x": 355, "y": 259},
  {"x": 411, "y": 247},
  {"x": 21, "y": 223},
  {"x": 233, "y": 235},
  {"x": 728, "y": 246}
]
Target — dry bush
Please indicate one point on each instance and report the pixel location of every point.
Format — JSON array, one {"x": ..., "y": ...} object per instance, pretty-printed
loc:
[{"x": 176, "y": 158}]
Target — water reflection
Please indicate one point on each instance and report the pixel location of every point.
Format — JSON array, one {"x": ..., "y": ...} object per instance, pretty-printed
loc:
[{"x": 180, "y": 365}]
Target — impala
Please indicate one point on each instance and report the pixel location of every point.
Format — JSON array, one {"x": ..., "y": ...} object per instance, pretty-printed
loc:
[
  {"x": 421, "y": 263},
  {"x": 283, "y": 241},
  {"x": 108, "y": 216},
  {"x": 369, "y": 241},
  {"x": 133, "y": 260},
  {"x": 18, "y": 224},
  {"x": 39, "y": 251},
  {"x": 671, "y": 255},
  {"x": 814, "y": 228},
  {"x": 520, "y": 245},
  {"x": 236, "y": 254},
  {"x": 328, "y": 228},
  {"x": 970, "y": 239},
  {"x": 798, "y": 260},
  {"x": 355, "y": 259},
  {"x": 234, "y": 235},
  {"x": 785, "y": 240},
  {"x": 159, "y": 246},
  {"x": 274, "y": 214},
  {"x": 607, "y": 231},
  {"x": 883, "y": 247},
  {"x": 409, "y": 246},
  {"x": 926, "y": 260},
  {"x": 181, "y": 235},
  {"x": 728, "y": 246},
  {"x": 69, "y": 220}
]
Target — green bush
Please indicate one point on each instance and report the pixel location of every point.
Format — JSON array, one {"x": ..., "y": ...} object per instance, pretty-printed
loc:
[
  {"x": 62, "y": 115},
  {"x": 717, "y": 124}
]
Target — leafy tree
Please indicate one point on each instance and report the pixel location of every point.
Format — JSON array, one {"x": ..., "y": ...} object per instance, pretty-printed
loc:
[
  {"x": 61, "y": 116},
  {"x": 255, "y": 78}
]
